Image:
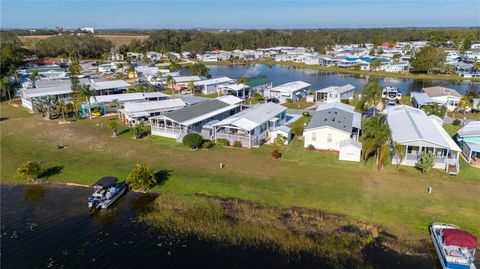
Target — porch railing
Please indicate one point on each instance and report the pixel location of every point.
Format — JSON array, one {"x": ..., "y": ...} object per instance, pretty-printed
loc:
[{"x": 166, "y": 129}]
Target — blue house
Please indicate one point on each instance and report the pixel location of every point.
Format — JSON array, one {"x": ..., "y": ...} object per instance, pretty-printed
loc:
[{"x": 469, "y": 140}]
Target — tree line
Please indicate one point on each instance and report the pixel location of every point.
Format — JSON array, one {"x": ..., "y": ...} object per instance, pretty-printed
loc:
[{"x": 197, "y": 41}]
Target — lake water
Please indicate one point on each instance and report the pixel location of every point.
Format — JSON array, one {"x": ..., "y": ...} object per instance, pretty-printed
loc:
[
  {"x": 280, "y": 74},
  {"x": 50, "y": 226}
]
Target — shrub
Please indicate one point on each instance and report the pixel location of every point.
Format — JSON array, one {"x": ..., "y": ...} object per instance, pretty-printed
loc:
[
  {"x": 426, "y": 162},
  {"x": 298, "y": 130},
  {"x": 276, "y": 155},
  {"x": 237, "y": 144},
  {"x": 279, "y": 140},
  {"x": 310, "y": 147},
  {"x": 141, "y": 178},
  {"x": 207, "y": 144},
  {"x": 306, "y": 114},
  {"x": 223, "y": 142},
  {"x": 345, "y": 101},
  {"x": 192, "y": 141},
  {"x": 289, "y": 100},
  {"x": 456, "y": 122},
  {"x": 31, "y": 170}
]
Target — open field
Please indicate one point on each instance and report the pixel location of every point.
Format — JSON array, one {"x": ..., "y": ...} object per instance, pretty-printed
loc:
[
  {"x": 117, "y": 40},
  {"x": 395, "y": 199},
  {"x": 351, "y": 70}
]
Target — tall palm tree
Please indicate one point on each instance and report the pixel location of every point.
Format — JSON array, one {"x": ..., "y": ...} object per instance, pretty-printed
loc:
[
  {"x": 34, "y": 77},
  {"x": 85, "y": 92},
  {"x": 465, "y": 103},
  {"x": 6, "y": 88},
  {"x": 371, "y": 95},
  {"x": 191, "y": 86},
  {"x": 171, "y": 82},
  {"x": 376, "y": 135},
  {"x": 61, "y": 108},
  {"x": 242, "y": 80}
]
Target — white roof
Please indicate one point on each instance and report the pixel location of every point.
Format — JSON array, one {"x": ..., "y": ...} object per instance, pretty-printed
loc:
[
  {"x": 348, "y": 142},
  {"x": 470, "y": 129},
  {"x": 230, "y": 99},
  {"x": 291, "y": 87},
  {"x": 53, "y": 90},
  {"x": 110, "y": 84},
  {"x": 412, "y": 126},
  {"x": 282, "y": 128},
  {"x": 339, "y": 89},
  {"x": 254, "y": 116},
  {"x": 236, "y": 87},
  {"x": 473, "y": 146},
  {"x": 213, "y": 81},
  {"x": 182, "y": 79},
  {"x": 127, "y": 97},
  {"x": 163, "y": 105}
]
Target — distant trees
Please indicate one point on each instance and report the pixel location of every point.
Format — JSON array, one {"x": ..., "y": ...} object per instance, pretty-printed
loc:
[
  {"x": 141, "y": 178},
  {"x": 87, "y": 46},
  {"x": 428, "y": 60},
  {"x": 174, "y": 66},
  {"x": 11, "y": 52},
  {"x": 31, "y": 170}
]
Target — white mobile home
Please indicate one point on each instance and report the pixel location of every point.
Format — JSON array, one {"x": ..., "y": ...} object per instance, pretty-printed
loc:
[
  {"x": 251, "y": 126},
  {"x": 134, "y": 112},
  {"x": 191, "y": 119},
  {"x": 334, "y": 94},
  {"x": 412, "y": 128},
  {"x": 331, "y": 125},
  {"x": 210, "y": 86},
  {"x": 292, "y": 90},
  {"x": 448, "y": 97}
]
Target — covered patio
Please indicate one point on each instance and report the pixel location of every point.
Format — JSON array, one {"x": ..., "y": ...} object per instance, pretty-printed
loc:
[{"x": 445, "y": 157}]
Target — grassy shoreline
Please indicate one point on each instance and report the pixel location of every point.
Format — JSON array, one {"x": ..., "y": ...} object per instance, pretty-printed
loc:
[
  {"x": 394, "y": 199},
  {"x": 349, "y": 70}
]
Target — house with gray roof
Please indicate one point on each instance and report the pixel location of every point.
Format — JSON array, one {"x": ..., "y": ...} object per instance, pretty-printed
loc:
[
  {"x": 331, "y": 124},
  {"x": 418, "y": 133},
  {"x": 334, "y": 94},
  {"x": 135, "y": 112},
  {"x": 191, "y": 119},
  {"x": 251, "y": 126}
]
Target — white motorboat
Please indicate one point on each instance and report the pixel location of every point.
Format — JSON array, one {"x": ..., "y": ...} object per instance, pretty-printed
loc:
[
  {"x": 105, "y": 192},
  {"x": 391, "y": 93},
  {"x": 455, "y": 247}
]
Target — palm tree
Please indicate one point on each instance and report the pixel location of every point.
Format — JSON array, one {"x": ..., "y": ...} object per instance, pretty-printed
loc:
[
  {"x": 191, "y": 86},
  {"x": 6, "y": 88},
  {"x": 399, "y": 151},
  {"x": 34, "y": 76},
  {"x": 171, "y": 82},
  {"x": 31, "y": 170},
  {"x": 242, "y": 80},
  {"x": 84, "y": 92},
  {"x": 61, "y": 108},
  {"x": 371, "y": 95},
  {"x": 376, "y": 135},
  {"x": 465, "y": 103}
]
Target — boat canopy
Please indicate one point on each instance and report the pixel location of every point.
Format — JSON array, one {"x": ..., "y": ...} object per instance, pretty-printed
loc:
[
  {"x": 106, "y": 182},
  {"x": 455, "y": 237}
]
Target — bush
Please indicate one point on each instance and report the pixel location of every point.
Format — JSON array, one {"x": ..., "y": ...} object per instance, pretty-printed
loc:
[
  {"x": 456, "y": 122},
  {"x": 31, "y": 170},
  {"x": 207, "y": 144},
  {"x": 306, "y": 114},
  {"x": 141, "y": 178},
  {"x": 193, "y": 141},
  {"x": 426, "y": 162},
  {"x": 223, "y": 142},
  {"x": 237, "y": 144},
  {"x": 310, "y": 147},
  {"x": 345, "y": 101},
  {"x": 289, "y": 100},
  {"x": 276, "y": 155}
]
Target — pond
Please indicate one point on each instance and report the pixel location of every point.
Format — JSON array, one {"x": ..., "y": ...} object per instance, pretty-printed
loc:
[
  {"x": 280, "y": 74},
  {"x": 50, "y": 226}
]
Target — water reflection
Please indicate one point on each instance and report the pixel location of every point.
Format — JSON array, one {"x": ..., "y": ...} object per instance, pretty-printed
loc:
[{"x": 35, "y": 193}]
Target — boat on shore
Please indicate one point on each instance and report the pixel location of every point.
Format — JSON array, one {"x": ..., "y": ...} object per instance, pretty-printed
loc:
[
  {"x": 455, "y": 248},
  {"x": 392, "y": 94},
  {"x": 105, "y": 192}
]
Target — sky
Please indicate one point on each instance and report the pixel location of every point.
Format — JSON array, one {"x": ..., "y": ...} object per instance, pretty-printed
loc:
[{"x": 238, "y": 14}]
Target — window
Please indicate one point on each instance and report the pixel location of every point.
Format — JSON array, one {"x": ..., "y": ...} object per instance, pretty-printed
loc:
[
  {"x": 314, "y": 136},
  {"x": 329, "y": 138}
]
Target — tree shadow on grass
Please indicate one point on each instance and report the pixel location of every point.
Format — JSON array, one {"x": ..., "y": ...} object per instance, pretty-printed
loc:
[
  {"x": 51, "y": 171},
  {"x": 126, "y": 130},
  {"x": 3, "y": 118},
  {"x": 162, "y": 176}
]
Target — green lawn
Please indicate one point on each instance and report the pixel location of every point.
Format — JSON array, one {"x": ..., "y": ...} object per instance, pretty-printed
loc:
[
  {"x": 394, "y": 199},
  {"x": 301, "y": 104}
]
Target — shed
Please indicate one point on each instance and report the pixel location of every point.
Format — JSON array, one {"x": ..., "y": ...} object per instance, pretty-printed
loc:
[
  {"x": 350, "y": 150},
  {"x": 284, "y": 131}
]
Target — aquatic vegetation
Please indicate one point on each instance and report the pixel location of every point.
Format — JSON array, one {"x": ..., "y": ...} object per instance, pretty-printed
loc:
[{"x": 292, "y": 231}]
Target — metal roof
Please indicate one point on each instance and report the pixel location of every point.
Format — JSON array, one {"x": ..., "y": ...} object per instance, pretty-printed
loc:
[
  {"x": 189, "y": 113},
  {"x": 110, "y": 84},
  {"x": 230, "y": 99},
  {"x": 254, "y": 116},
  {"x": 162, "y": 105},
  {"x": 213, "y": 81},
  {"x": 470, "y": 129},
  {"x": 127, "y": 97},
  {"x": 348, "y": 142},
  {"x": 441, "y": 91},
  {"x": 338, "y": 89},
  {"x": 412, "y": 126},
  {"x": 473, "y": 146},
  {"x": 291, "y": 87},
  {"x": 336, "y": 115},
  {"x": 423, "y": 99},
  {"x": 182, "y": 79}
]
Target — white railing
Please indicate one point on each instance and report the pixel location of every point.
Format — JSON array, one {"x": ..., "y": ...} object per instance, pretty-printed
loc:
[
  {"x": 166, "y": 129},
  {"x": 231, "y": 137}
]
